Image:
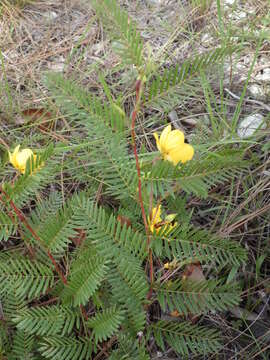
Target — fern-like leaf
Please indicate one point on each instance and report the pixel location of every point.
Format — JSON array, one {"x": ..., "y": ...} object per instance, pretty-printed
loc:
[
  {"x": 196, "y": 176},
  {"x": 185, "y": 338},
  {"x": 185, "y": 243},
  {"x": 163, "y": 88},
  {"x": 108, "y": 149},
  {"x": 25, "y": 278},
  {"x": 106, "y": 323},
  {"x": 129, "y": 43},
  {"x": 47, "y": 320},
  {"x": 57, "y": 231},
  {"x": 7, "y": 227},
  {"x": 124, "y": 251},
  {"x": 196, "y": 297},
  {"x": 23, "y": 345},
  {"x": 106, "y": 233},
  {"x": 84, "y": 280},
  {"x": 63, "y": 348},
  {"x": 130, "y": 348}
]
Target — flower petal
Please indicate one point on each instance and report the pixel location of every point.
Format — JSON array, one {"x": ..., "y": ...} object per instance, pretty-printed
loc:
[
  {"x": 10, "y": 157},
  {"x": 174, "y": 139},
  {"x": 157, "y": 141},
  {"x": 169, "y": 218},
  {"x": 155, "y": 215},
  {"x": 181, "y": 154},
  {"x": 154, "y": 219},
  {"x": 22, "y": 158},
  {"x": 164, "y": 135},
  {"x": 13, "y": 156}
]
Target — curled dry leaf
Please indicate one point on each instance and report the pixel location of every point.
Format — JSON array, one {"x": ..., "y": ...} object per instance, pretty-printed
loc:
[
  {"x": 40, "y": 115},
  {"x": 124, "y": 220},
  {"x": 79, "y": 238},
  {"x": 193, "y": 273}
]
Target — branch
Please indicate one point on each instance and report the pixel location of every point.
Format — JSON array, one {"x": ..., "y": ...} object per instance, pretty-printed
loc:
[
  {"x": 138, "y": 88},
  {"x": 23, "y": 220}
]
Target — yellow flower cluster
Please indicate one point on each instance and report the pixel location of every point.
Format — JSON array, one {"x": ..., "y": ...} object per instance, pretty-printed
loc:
[
  {"x": 172, "y": 146},
  {"x": 156, "y": 224},
  {"x": 19, "y": 158}
]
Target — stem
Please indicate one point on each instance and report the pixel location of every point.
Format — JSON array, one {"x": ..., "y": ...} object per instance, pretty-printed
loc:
[
  {"x": 83, "y": 312},
  {"x": 23, "y": 220},
  {"x": 138, "y": 87}
]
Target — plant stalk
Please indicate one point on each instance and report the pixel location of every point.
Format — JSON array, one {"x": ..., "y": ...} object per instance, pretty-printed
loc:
[
  {"x": 139, "y": 89},
  {"x": 23, "y": 220}
]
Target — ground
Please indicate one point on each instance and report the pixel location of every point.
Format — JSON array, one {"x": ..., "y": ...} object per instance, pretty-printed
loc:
[{"x": 66, "y": 37}]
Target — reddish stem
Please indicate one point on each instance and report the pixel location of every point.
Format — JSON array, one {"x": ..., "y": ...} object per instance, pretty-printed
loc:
[
  {"x": 23, "y": 220},
  {"x": 84, "y": 313},
  {"x": 29, "y": 247},
  {"x": 138, "y": 87}
]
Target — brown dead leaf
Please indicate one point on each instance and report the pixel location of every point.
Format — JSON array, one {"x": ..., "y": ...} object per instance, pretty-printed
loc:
[
  {"x": 194, "y": 272},
  {"x": 175, "y": 313},
  {"x": 124, "y": 220},
  {"x": 41, "y": 114},
  {"x": 78, "y": 239}
]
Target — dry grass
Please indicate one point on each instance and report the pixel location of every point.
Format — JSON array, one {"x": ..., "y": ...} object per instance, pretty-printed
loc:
[
  {"x": 44, "y": 37},
  {"x": 64, "y": 36}
]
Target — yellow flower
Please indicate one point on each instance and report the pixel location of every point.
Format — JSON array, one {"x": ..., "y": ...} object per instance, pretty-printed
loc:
[
  {"x": 171, "y": 265},
  {"x": 156, "y": 223},
  {"x": 19, "y": 158},
  {"x": 172, "y": 146},
  {"x": 155, "y": 218}
]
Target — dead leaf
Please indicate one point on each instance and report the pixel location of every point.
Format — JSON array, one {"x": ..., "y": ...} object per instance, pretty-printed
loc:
[
  {"x": 78, "y": 239},
  {"x": 194, "y": 272},
  {"x": 41, "y": 114},
  {"x": 124, "y": 220},
  {"x": 175, "y": 313}
]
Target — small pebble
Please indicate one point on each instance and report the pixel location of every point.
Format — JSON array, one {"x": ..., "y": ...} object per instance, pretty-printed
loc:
[
  {"x": 206, "y": 38},
  {"x": 173, "y": 117},
  {"x": 228, "y": 2},
  {"x": 264, "y": 76},
  {"x": 257, "y": 92},
  {"x": 189, "y": 121},
  {"x": 50, "y": 15},
  {"x": 250, "y": 124},
  {"x": 58, "y": 67}
]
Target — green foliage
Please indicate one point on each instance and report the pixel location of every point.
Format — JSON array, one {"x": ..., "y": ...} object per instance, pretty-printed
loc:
[
  {"x": 130, "y": 348},
  {"x": 80, "y": 266},
  {"x": 35, "y": 178},
  {"x": 197, "y": 297},
  {"x": 80, "y": 105},
  {"x": 23, "y": 345},
  {"x": 85, "y": 279},
  {"x": 55, "y": 229},
  {"x": 48, "y": 321},
  {"x": 186, "y": 338},
  {"x": 128, "y": 42},
  {"x": 198, "y": 176},
  {"x": 24, "y": 278},
  {"x": 110, "y": 162},
  {"x": 106, "y": 323},
  {"x": 65, "y": 348},
  {"x": 186, "y": 243},
  {"x": 109, "y": 246},
  {"x": 163, "y": 91},
  {"x": 6, "y": 226}
]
